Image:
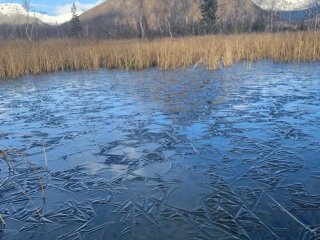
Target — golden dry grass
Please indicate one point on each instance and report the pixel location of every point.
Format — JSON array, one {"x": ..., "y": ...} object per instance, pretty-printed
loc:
[{"x": 20, "y": 58}]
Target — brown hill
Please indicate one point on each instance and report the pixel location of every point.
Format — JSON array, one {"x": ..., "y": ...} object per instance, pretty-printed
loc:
[{"x": 167, "y": 17}]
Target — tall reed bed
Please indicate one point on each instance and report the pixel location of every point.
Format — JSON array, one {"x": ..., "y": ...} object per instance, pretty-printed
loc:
[{"x": 20, "y": 58}]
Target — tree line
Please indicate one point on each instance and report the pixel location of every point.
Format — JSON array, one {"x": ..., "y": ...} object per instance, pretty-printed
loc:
[{"x": 164, "y": 18}]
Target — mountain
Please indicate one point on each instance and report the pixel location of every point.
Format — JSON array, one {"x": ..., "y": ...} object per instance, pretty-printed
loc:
[
  {"x": 293, "y": 10},
  {"x": 125, "y": 11},
  {"x": 158, "y": 14},
  {"x": 139, "y": 17},
  {"x": 14, "y": 13},
  {"x": 136, "y": 18},
  {"x": 286, "y": 5},
  {"x": 121, "y": 11}
]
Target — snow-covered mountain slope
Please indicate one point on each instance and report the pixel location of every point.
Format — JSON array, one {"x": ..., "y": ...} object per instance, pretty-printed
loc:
[
  {"x": 286, "y": 5},
  {"x": 14, "y": 9}
]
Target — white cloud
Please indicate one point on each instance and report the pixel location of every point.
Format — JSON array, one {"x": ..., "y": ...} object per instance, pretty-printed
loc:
[{"x": 63, "y": 10}]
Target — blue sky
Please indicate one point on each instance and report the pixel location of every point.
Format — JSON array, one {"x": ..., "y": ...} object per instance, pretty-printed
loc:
[{"x": 57, "y": 7}]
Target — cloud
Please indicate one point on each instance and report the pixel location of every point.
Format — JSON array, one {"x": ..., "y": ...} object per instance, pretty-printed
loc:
[{"x": 81, "y": 7}]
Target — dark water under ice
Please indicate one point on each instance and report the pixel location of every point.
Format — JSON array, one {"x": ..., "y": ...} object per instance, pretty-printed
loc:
[{"x": 229, "y": 154}]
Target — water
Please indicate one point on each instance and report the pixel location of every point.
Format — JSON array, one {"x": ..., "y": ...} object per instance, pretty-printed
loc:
[{"x": 229, "y": 154}]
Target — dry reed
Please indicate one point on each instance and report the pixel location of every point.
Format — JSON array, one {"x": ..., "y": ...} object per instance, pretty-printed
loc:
[{"x": 20, "y": 58}]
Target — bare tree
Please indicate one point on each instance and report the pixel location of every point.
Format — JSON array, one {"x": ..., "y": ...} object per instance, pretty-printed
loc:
[
  {"x": 26, "y": 4},
  {"x": 314, "y": 6},
  {"x": 134, "y": 17},
  {"x": 272, "y": 15},
  {"x": 142, "y": 19}
]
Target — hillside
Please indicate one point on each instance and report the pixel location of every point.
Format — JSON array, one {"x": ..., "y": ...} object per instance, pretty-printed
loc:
[
  {"x": 127, "y": 11},
  {"x": 169, "y": 17}
]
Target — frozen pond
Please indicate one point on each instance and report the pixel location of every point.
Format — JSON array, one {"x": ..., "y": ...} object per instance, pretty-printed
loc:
[{"x": 229, "y": 154}]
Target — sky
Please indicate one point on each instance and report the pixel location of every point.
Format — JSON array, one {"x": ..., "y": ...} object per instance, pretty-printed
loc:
[{"x": 57, "y": 7}]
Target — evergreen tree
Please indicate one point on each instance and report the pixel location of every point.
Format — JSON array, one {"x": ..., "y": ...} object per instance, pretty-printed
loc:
[
  {"x": 76, "y": 27},
  {"x": 209, "y": 13},
  {"x": 259, "y": 25}
]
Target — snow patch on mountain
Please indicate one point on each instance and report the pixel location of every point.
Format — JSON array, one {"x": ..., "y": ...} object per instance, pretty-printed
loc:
[
  {"x": 12, "y": 9},
  {"x": 286, "y": 5}
]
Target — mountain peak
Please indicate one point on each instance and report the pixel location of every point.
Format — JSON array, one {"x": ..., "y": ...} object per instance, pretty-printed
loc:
[
  {"x": 15, "y": 9},
  {"x": 10, "y": 9}
]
